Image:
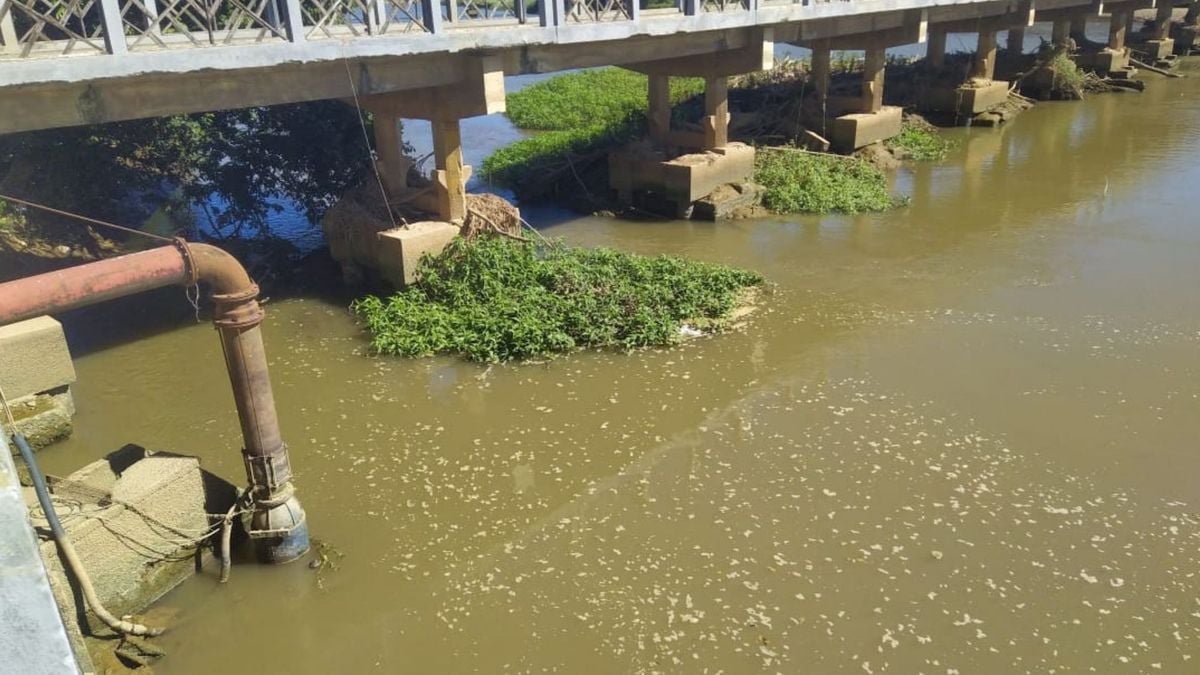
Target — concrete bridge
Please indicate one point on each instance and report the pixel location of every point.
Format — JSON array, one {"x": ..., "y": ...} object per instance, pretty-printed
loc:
[{"x": 70, "y": 62}]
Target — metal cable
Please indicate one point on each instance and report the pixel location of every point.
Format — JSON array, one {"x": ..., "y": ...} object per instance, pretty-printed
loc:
[
  {"x": 367, "y": 139},
  {"x": 86, "y": 219}
]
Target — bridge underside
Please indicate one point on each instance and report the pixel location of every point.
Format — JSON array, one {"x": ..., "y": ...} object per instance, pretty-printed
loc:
[{"x": 39, "y": 93}]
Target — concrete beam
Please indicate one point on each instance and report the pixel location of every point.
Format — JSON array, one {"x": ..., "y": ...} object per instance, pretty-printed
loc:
[
  {"x": 754, "y": 56},
  {"x": 479, "y": 92}
]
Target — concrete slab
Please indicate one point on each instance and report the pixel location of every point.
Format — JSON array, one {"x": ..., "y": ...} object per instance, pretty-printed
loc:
[
  {"x": 681, "y": 180},
  {"x": 34, "y": 357},
  {"x": 968, "y": 99},
  {"x": 134, "y": 519},
  {"x": 851, "y": 132},
  {"x": 399, "y": 250},
  {"x": 33, "y": 635}
]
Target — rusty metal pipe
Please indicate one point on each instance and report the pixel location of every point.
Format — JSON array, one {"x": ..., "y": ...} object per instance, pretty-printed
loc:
[{"x": 278, "y": 524}]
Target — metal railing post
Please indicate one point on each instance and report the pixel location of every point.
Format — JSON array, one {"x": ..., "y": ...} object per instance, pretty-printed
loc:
[
  {"x": 374, "y": 17},
  {"x": 552, "y": 12},
  {"x": 691, "y": 7},
  {"x": 114, "y": 30},
  {"x": 151, "y": 8},
  {"x": 431, "y": 15},
  {"x": 8, "y": 32},
  {"x": 293, "y": 20},
  {"x": 521, "y": 10},
  {"x": 451, "y": 11},
  {"x": 635, "y": 9}
]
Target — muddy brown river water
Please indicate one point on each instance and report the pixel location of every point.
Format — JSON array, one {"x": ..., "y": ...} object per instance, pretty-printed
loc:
[{"x": 961, "y": 437}]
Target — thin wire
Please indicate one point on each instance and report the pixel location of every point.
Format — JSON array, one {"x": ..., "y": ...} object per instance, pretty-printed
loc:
[
  {"x": 12, "y": 424},
  {"x": 60, "y": 212},
  {"x": 367, "y": 139}
]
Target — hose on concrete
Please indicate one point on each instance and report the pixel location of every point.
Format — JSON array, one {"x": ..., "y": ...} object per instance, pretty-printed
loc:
[{"x": 70, "y": 557}]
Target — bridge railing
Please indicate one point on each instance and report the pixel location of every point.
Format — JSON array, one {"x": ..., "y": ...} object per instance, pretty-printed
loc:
[{"x": 57, "y": 28}]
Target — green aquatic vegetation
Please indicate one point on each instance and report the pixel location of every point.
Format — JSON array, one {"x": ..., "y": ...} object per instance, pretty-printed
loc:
[
  {"x": 496, "y": 299},
  {"x": 805, "y": 182},
  {"x": 581, "y": 115},
  {"x": 587, "y": 99},
  {"x": 921, "y": 143}
]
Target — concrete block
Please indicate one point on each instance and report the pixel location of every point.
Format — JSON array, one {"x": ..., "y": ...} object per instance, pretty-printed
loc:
[
  {"x": 982, "y": 96},
  {"x": 851, "y": 132},
  {"x": 727, "y": 201},
  {"x": 399, "y": 250},
  {"x": 1158, "y": 50},
  {"x": 1105, "y": 61},
  {"x": 43, "y": 418},
  {"x": 682, "y": 180},
  {"x": 133, "y": 515},
  {"x": 34, "y": 357}
]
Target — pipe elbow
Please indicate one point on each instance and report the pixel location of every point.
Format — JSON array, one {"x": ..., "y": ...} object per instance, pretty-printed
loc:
[{"x": 221, "y": 271}]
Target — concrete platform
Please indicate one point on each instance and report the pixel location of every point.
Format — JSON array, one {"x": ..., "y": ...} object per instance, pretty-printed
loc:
[
  {"x": 1186, "y": 39},
  {"x": 399, "y": 250},
  {"x": 1158, "y": 50},
  {"x": 851, "y": 132},
  {"x": 680, "y": 181},
  {"x": 968, "y": 99},
  {"x": 33, "y": 635},
  {"x": 130, "y": 517},
  {"x": 1104, "y": 62}
]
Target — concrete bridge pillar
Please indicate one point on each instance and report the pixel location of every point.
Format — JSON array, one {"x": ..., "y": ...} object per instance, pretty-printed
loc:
[
  {"x": 1014, "y": 44},
  {"x": 821, "y": 71},
  {"x": 1192, "y": 17},
  {"x": 1118, "y": 24},
  {"x": 935, "y": 51},
  {"x": 716, "y": 112},
  {"x": 659, "y": 114},
  {"x": 450, "y": 177},
  {"x": 391, "y": 161},
  {"x": 1061, "y": 32},
  {"x": 1079, "y": 27},
  {"x": 984, "y": 65},
  {"x": 872, "y": 82},
  {"x": 1162, "y": 19}
]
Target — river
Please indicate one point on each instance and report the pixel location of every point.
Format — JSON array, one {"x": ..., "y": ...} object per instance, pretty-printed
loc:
[{"x": 959, "y": 438}]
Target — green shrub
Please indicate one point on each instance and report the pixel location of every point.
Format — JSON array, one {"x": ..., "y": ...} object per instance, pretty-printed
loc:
[
  {"x": 921, "y": 144},
  {"x": 803, "y": 182},
  {"x": 496, "y": 299}
]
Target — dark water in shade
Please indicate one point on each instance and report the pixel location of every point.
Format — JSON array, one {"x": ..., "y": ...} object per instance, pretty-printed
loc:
[{"x": 961, "y": 437}]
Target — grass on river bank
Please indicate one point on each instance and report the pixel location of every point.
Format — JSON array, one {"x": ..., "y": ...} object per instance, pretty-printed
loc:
[
  {"x": 583, "y": 115},
  {"x": 495, "y": 299}
]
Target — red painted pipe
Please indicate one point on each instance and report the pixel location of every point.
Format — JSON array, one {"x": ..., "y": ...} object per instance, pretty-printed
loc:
[{"x": 278, "y": 523}]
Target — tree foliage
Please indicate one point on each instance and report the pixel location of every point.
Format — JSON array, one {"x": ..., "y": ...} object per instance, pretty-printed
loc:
[{"x": 307, "y": 152}]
